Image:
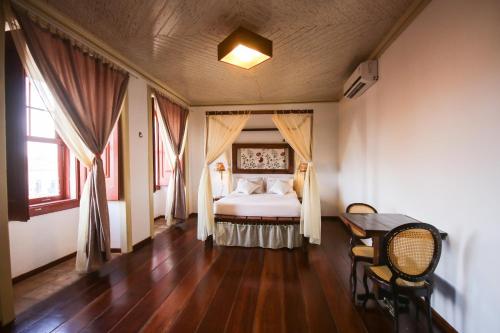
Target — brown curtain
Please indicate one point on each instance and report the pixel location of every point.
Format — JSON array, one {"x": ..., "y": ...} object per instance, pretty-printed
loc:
[
  {"x": 174, "y": 119},
  {"x": 91, "y": 93}
]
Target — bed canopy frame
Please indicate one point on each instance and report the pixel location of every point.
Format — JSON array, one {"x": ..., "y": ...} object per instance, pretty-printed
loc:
[{"x": 296, "y": 127}]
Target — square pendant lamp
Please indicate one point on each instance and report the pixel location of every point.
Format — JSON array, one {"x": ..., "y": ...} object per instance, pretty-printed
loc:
[{"x": 245, "y": 49}]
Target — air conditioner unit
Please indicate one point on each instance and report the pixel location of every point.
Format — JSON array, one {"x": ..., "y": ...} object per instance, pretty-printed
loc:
[{"x": 363, "y": 78}]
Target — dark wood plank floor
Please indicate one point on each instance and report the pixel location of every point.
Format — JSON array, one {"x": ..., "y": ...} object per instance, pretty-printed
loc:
[{"x": 176, "y": 284}]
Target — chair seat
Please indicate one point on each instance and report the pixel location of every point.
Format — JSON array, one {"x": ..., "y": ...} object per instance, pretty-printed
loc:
[
  {"x": 363, "y": 251},
  {"x": 384, "y": 273}
]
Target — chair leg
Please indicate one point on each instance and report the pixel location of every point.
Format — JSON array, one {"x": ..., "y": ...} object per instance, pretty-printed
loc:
[
  {"x": 354, "y": 277},
  {"x": 429, "y": 311},
  {"x": 396, "y": 309},
  {"x": 367, "y": 292}
]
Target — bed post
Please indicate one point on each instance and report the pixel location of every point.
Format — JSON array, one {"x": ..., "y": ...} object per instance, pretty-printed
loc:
[
  {"x": 305, "y": 243},
  {"x": 209, "y": 242}
]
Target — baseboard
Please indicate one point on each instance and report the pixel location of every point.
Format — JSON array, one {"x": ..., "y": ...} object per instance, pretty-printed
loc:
[
  {"x": 437, "y": 319},
  {"x": 141, "y": 244},
  {"x": 40, "y": 269}
]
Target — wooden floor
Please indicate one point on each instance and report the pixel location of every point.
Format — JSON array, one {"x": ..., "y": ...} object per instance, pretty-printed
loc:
[
  {"x": 176, "y": 284},
  {"x": 43, "y": 285}
]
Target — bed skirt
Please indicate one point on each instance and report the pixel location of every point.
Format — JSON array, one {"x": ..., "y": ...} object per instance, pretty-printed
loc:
[{"x": 271, "y": 236}]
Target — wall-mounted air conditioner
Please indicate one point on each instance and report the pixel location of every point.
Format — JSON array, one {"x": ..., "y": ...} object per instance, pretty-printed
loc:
[{"x": 365, "y": 75}]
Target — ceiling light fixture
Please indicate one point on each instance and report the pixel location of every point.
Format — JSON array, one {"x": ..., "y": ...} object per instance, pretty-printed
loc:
[{"x": 245, "y": 49}]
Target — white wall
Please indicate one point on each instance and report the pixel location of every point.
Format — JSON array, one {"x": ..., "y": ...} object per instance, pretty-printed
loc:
[
  {"x": 423, "y": 141},
  {"x": 139, "y": 163},
  {"x": 159, "y": 201},
  {"x": 42, "y": 239},
  {"x": 324, "y": 145},
  {"x": 117, "y": 215}
]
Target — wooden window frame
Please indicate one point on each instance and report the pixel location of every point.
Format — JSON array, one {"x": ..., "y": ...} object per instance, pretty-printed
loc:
[{"x": 63, "y": 201}]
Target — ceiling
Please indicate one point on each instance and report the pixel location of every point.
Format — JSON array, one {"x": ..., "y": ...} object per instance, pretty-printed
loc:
[{"x": 316, "y": 43}]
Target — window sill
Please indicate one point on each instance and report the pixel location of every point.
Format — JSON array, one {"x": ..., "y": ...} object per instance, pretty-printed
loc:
[{"x": 54, "y": 206}]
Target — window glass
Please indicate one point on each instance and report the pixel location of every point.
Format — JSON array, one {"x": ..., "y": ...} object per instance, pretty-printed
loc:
[
  {"x": 43, "y": 169},
  {"x": 35, "y": 100},
  {"x": 42, "y": 124}
]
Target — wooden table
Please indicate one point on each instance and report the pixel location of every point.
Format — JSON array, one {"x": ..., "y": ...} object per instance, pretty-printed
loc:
[{"x": 377, "y": 225}]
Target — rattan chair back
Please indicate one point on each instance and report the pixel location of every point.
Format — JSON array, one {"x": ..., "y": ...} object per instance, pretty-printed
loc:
[
  {"x": 412, "y": 251},
  {"x": 360, "y": 208}
]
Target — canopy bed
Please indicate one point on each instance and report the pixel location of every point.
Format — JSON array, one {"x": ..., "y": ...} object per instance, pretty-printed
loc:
[{"x": 264, "y": 209}]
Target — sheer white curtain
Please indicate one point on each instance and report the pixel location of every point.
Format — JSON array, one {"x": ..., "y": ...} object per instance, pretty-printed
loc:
[
  {"x": 296, "y": 129},
  {"x": 228, "y": 177},
  {"x": 64, "y": 128},
  {"x": 88, "y": 257},
  {"x": 170, "y": 157},
  {"x": 221, "y": 131}
]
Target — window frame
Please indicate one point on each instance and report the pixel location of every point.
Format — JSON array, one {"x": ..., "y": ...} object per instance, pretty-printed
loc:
[{"x": 63, "y": 201}]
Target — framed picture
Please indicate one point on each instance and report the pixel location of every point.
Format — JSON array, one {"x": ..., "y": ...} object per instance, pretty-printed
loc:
[{"x": 263, "y": 158}]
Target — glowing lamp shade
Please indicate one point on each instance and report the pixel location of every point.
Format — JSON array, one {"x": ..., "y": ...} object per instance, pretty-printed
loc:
[
  {"x": 219, "y": 167},
  {"x": 245, "y": 49}
]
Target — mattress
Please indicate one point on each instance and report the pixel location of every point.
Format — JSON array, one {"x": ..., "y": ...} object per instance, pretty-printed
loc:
[{"x": 265, "y": 204}]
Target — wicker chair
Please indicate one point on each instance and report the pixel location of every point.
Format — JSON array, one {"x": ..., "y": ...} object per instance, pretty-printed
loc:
[
  {"x": 358, "y": 253},
  {"x": 412, "y": 252}
]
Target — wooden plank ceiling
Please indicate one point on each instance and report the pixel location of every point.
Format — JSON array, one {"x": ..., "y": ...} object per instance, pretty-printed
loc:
[{"x": 317, "y": 43}]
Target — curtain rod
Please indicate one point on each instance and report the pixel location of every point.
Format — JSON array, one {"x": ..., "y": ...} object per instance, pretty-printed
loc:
[
  {"x": 260, "y": 129},
  {"x": 222, "y": 113},
  {"x": 55, "y": 18}
]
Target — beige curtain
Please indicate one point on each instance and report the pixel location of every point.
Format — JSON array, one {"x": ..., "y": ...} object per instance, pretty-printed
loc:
[
  {"x": 221, "y": 131},
  {"x": 297, "y": 131},
  {"x": 87, "y": 99},
  {"x": 298, "y": 177},
  {"x": 228, "y": 175}
]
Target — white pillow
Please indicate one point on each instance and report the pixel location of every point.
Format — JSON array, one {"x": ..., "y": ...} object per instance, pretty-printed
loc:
[
  {"x": 246, "y": 187},
  {"x": 271, "y": 181},
  {"x": 259, "y": 181},
  {"x": 281, "y": 187}
]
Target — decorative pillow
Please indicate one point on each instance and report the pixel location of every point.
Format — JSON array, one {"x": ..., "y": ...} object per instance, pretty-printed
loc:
[
  {"x": 256, "y": 180},
  {"x": 246, "y": 187},
  {"x": 281, "y": 187},
  {"x": 271, "y": 181},
  {"x": 260, "y": 182}
]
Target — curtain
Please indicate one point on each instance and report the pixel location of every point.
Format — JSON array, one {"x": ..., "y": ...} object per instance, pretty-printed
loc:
[
  {"x": 221, "y": 131},
  {"x": 228, "y": 177},
  {"x": 88, "y": 94},
  {"x": 173, "y": 128},
  {"x": 298, "y": 176},
  {"x": 297, "y": 131}
]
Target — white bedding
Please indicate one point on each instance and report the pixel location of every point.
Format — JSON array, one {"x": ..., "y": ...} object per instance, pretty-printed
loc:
[{"x": 265, "y": 204}]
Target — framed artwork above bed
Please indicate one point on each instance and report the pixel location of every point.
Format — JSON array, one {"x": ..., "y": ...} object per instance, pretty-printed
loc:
[{"x": 263, "y": 158}]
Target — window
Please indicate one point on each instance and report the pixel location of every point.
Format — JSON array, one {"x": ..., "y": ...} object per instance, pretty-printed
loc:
[
  {"x": 43, "y": 176},
  {"x": 162, "y": 169},
  {"x": 52, "y": 170}
]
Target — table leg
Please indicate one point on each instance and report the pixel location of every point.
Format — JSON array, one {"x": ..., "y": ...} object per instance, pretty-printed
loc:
[{"x": 377, "y": 260}]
